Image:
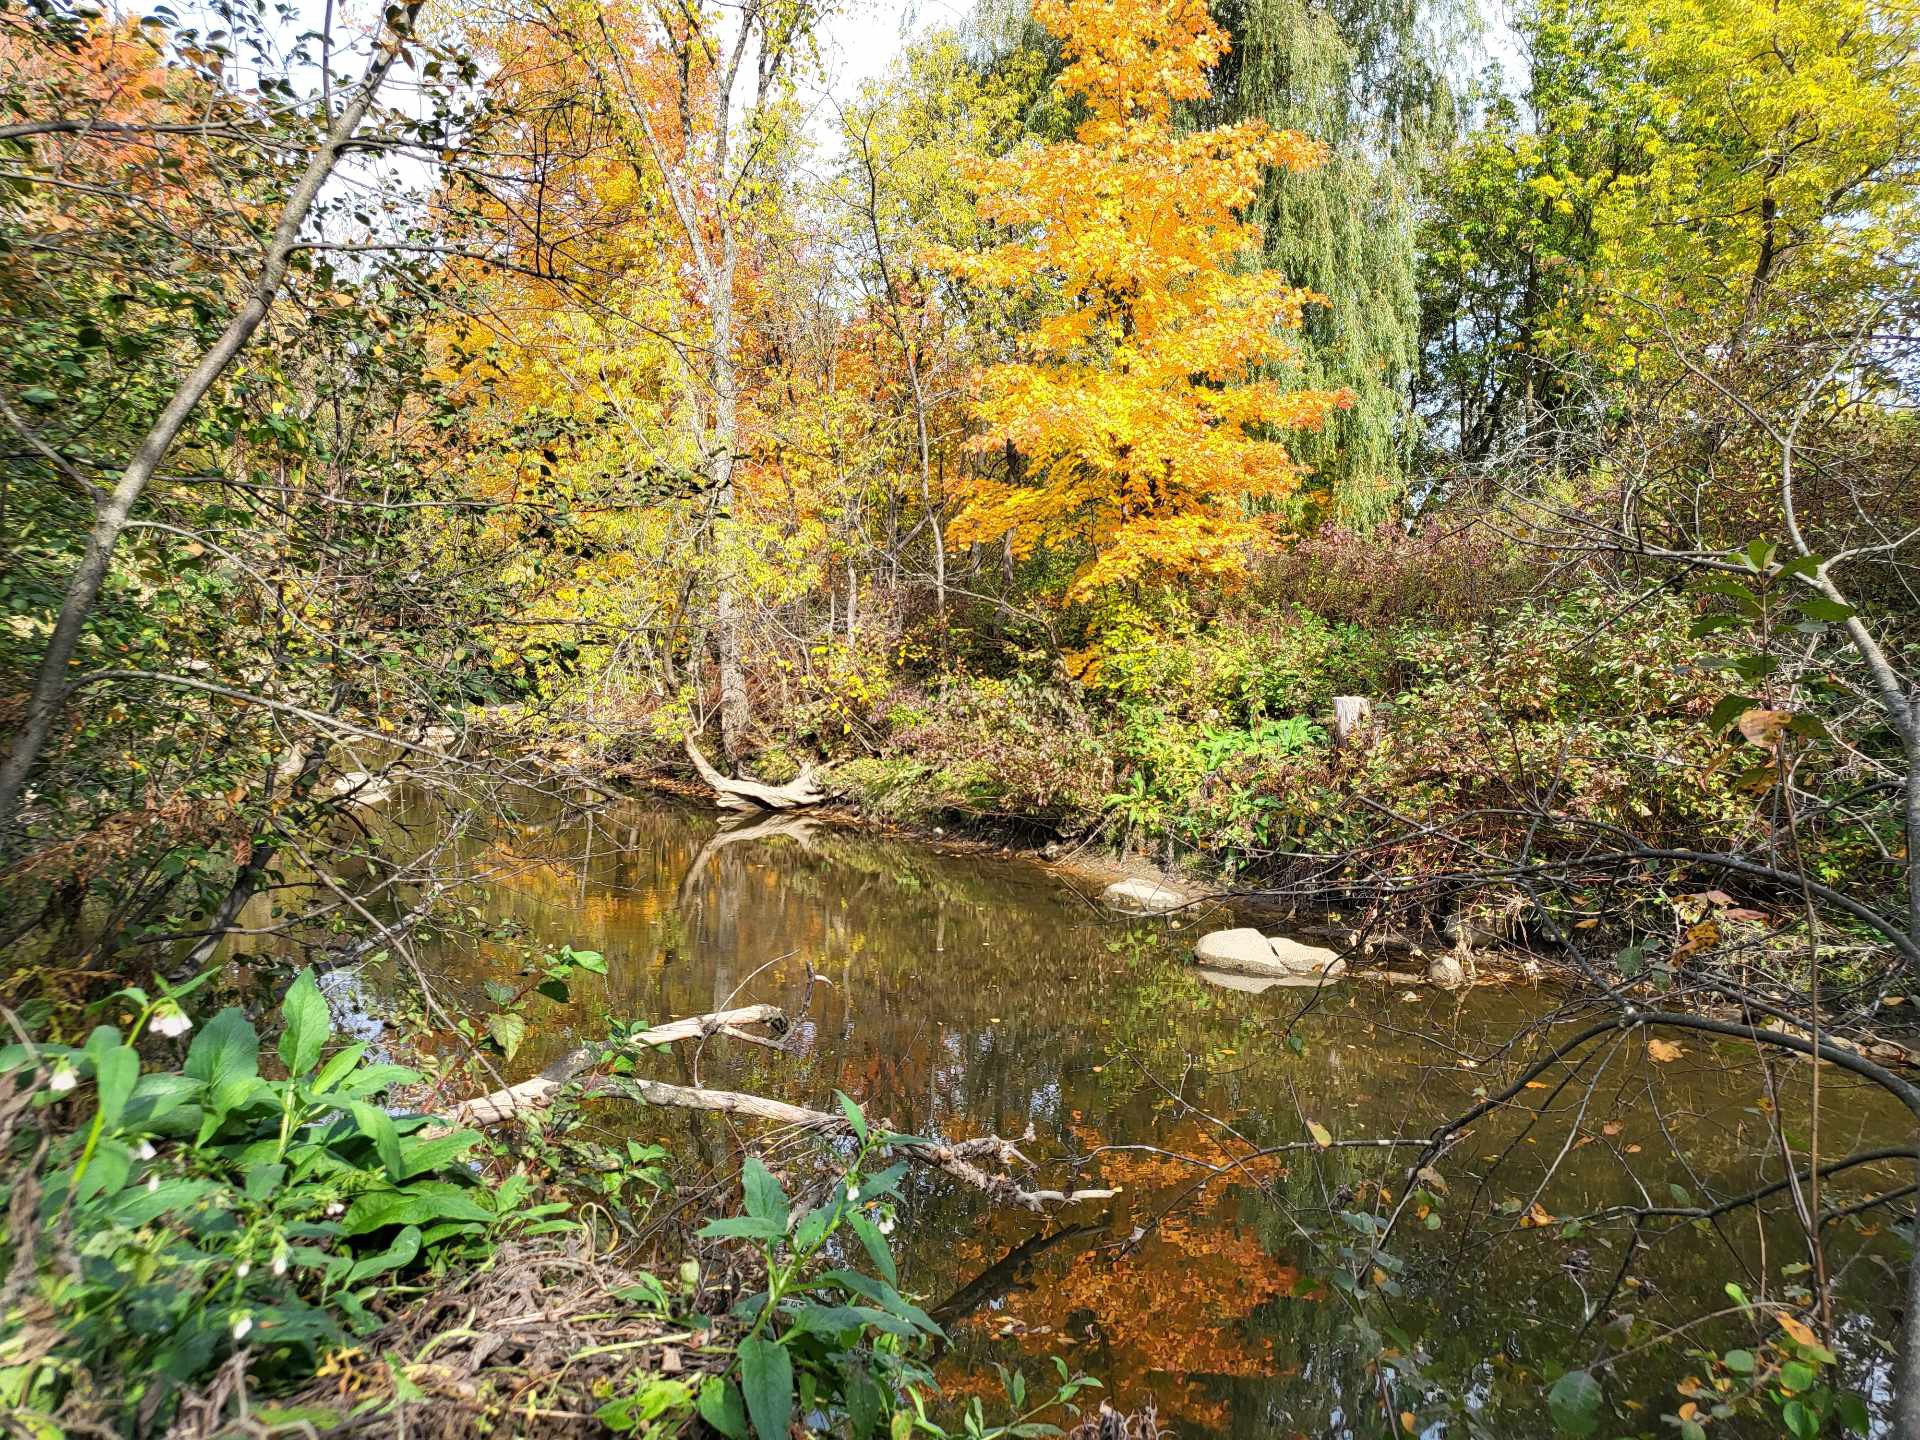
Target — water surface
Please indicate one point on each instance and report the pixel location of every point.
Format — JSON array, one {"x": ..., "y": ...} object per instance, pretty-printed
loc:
[{"x": 964, "y": 995}]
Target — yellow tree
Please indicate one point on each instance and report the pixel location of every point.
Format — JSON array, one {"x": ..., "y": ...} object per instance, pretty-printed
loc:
[{"x": 1141, "y": 417}]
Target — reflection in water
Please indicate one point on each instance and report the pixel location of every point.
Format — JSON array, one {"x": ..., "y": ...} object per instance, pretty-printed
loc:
[{"x": 969, "y": 996}]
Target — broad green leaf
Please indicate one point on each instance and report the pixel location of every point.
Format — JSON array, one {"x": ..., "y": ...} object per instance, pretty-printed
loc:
[
  {"x": 115, "y": 1073},
  {"x": 376, "y": 1209},
  {"x": 405, "y": 1246},
  {"x": 335, "y": 1069},
  {"x": 876, "y": 1247},
  {"x": 883, "y": 1295},
  {"x": 766, "y": 1380},
  {"x": 140, "y": 1205},
  {"x": 721, "y": 1407},
  {"x": 741, "y": 1227},
  {"x": 420, "y": 1157},
  {"x": 376, "y": 1078},
  {"x": 1575, "y": 1402},
  {"x": 377, "y": 1126},
  {"x": 1797, "y": 1376},
  {"x": 764, "y": 1198},
  {"x": 309, "y": 1024},
  {"x": 107, "y": 1174},
  {"x": 227, "y": 1049},
  {"x": 226, "y": 1056},
  {"x": 158, "y": 1093},
  {"x": 1819, "y": 607},
  {"x": 887, "y": 1182},
  {"x": 855, "y": 1116},
  {"x": 507, "y": 1029}
]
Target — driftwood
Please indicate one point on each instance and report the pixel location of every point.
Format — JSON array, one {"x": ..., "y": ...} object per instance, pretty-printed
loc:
[
  {"x": 539, "y": 1092},
  {"x": 752, "y": 794},
  {"x": 954, "y": 1160}
]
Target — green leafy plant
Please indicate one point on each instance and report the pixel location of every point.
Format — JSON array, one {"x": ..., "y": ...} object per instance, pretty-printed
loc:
[
  {"x": 552, "y": 977},
  {"x": 189, "y": 1211},
  {"x": 826, "y": 1340}
]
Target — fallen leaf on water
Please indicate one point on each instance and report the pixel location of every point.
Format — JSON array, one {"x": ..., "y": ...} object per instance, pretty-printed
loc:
[
  {"x": 1536, "y": 1084},
  {"x": 1612, "y": 1127},
  {"x": 1665, "y": 1051},
  {"x": 1538, "y": 1216},
  {"x": 1322, "y": 1136}
]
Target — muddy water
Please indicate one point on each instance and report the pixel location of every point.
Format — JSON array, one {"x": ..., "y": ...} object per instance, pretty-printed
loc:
[{"x": 967, "y": 995}]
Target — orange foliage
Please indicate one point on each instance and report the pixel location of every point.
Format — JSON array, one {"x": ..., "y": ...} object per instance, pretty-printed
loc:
[{"x": 1144, "y": 406}]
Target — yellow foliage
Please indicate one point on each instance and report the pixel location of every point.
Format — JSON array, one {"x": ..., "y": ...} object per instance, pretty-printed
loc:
[{"x": 1143, "y": 405}]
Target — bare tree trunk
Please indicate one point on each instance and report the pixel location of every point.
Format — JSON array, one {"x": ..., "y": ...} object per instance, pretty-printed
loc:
[{"x": 48, "y": 699}]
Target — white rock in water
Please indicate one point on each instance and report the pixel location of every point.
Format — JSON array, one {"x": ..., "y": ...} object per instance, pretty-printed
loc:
[
  {"x": 1446, "y": 970},
  {"x": 1248, "y": 952},
  {"x": 1142, "y": 897},
  {"x": 363, "y": 789},
  {"x": 438, "y": 737}
]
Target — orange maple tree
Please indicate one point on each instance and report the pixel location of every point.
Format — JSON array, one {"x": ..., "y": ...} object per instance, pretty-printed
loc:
[{"x": 1145, "y": 407}]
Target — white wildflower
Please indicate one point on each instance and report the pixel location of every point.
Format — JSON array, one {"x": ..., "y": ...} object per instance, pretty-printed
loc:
[
  {"x": 64, "y": 1078},
  {"x": 170, "y": 1020},
  {"x": 885, "y": 1226},
  {"x": 280, "y": 1262},
  {"x": 336, "y": 1208},
  {"x": 243, "y": 1269},
  {"x": 144, "y": 1150},
  {"x": 853, "y": 1194},
  {"x": 241, "y": 1326},
  {"x": 153, "y": 1184}
]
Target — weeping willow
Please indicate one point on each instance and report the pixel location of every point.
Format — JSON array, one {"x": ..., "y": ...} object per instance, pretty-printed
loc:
[{"x": 1369, "y": 78}]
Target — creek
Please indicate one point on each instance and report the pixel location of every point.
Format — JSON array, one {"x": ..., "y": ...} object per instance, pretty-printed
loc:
[{"x": 963, "y": 995}]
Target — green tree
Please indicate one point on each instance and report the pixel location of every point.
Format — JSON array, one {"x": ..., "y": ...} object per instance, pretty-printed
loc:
[{"x": 1369, "y": 78}]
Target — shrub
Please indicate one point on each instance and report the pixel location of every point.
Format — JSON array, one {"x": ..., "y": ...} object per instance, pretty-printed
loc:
[
  {"x": 179, "y": 1214},
  {"x": 1448, "y": 572}
]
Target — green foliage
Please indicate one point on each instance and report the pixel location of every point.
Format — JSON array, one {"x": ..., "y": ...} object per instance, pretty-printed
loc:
[
  {"x": 838, "y": 1345},
  {"x": 1369, "y": 79},
  {"x": 199, "y": 1208},
  {"x": 551, "y": 977}
]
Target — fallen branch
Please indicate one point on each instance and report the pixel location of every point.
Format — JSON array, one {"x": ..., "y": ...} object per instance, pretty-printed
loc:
[
  {"x": 752, "y": 794},
  {"x": 539, "y": 1092},
  {"x": 952, "y": 1159}
]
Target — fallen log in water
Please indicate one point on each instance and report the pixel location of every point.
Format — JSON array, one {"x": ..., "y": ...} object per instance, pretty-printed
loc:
[
  {"x": 752, "y": 794},
  {"x": 539, "y": 1092}
]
